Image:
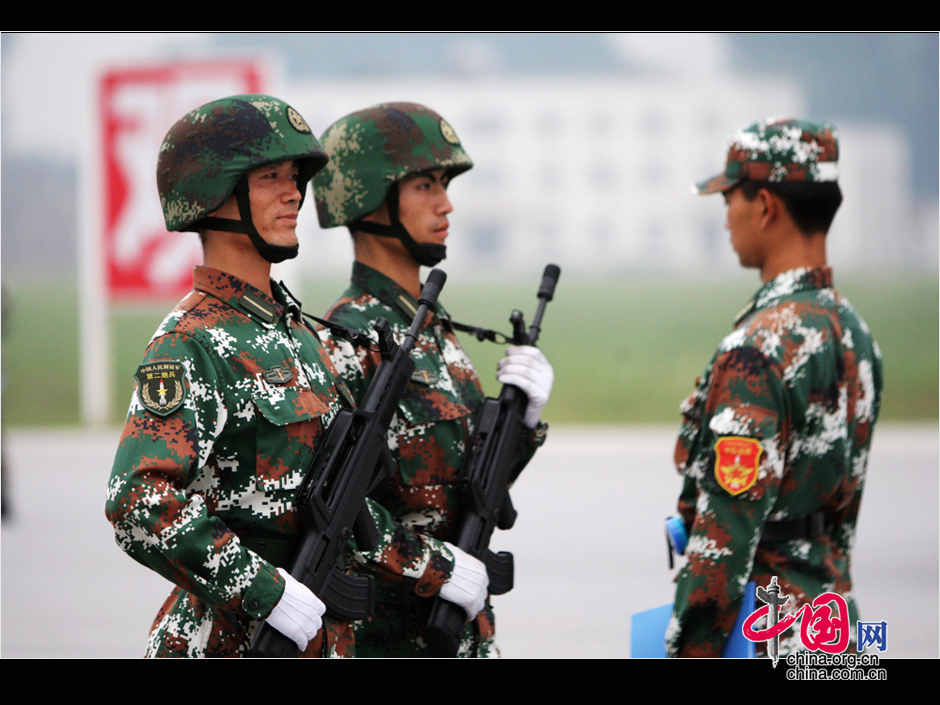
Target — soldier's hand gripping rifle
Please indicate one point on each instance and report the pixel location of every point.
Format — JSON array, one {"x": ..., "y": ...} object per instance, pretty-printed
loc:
[
  {"x": 331, "y": 501},
  {"x": 495, "y": 457}
]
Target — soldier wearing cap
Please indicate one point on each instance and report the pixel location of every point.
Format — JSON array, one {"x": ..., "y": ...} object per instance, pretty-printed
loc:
[
  {"x": 387, "y": 180},
  {"x": 233, "y": 395},
  {"x": 774, "y": 440}
]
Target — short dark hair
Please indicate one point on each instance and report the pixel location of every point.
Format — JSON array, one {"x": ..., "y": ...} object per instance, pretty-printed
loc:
[{"x": 811, "y": 205}]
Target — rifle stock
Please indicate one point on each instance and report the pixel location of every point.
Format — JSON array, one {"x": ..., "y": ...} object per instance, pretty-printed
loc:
[
  {"x": 495, "y": 457},
  {"x": 331, "y": 501}
]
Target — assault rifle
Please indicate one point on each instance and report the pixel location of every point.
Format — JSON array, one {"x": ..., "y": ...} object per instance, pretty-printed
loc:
[
  {"x": 495, "y": 457},
  {"x": 351, "y": 460}
]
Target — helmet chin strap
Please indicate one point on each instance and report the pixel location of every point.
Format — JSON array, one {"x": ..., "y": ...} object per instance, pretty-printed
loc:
[
  {"x": 271, "y": 253},
  {"x": 425, "y": 254}
]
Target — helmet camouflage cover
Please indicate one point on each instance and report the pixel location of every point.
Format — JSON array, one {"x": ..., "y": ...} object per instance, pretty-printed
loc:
[
  {"x": 207, "y": 152},
  {"x": 372, "y": 149}
]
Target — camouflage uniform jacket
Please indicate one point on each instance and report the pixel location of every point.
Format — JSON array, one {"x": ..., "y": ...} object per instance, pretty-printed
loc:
[
  {"x": 778, "y": 428},
  {"x": 249, "y": 391},
  {"x": 428, "y": 438}
]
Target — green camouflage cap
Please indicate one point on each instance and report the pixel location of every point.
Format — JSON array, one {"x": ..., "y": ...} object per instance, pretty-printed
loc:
[
  {"x": 372, "y": 149},
  {"x": 777, "y": 150},
  {"x": 207, "y": 152}
]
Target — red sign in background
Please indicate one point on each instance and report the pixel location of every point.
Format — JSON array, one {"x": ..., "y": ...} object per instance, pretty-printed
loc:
[{"x": 138, "y": 105}]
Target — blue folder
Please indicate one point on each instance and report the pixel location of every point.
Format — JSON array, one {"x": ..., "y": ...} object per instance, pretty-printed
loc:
[{"x": 648, "y": 631}]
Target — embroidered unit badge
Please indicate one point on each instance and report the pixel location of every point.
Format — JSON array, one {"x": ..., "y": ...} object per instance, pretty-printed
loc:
[
  {"x": 160, "y": 386},
  {"x": 737, "y": 460}
]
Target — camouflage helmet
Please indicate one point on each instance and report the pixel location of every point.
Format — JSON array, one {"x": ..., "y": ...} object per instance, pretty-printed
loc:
[
  {"x": 370, "y": 152},
  {"x": 778, "y": 150},
  {"x": 207, "y": 154}
]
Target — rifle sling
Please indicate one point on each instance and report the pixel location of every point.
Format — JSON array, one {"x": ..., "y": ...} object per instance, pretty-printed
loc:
[
  {"x": 350, "y": 335},
  {"x": 482, "y": 334}
]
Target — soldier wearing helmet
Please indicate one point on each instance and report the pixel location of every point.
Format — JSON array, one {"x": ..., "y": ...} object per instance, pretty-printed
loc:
[
  {"x": 774, "y": 441},
  {"x": 386, "y": 181},
  {"x": 233, "y": 395}
]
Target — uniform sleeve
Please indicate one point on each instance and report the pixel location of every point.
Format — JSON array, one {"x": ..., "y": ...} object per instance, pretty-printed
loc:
[
  {"x": 405, "y": 557},
  {"x": 154, "y": 501},
  {"x": 743, "y": 413},
  {"x": 533, "y": 439}
]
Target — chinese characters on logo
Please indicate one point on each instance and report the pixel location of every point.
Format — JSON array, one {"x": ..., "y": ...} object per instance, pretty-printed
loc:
[{"x": 873, "y": 634}]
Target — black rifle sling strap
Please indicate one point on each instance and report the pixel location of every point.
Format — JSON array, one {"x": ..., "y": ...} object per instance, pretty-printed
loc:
[
  {"x": 350, "y": 335},
  {"x": 482, "y": 334},
  {"x": 354, "y": 337}
]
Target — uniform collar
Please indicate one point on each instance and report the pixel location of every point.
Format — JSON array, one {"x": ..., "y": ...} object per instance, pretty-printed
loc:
[
  {"x": 387, "y": 291},
  {"x": 242, "y": 296},
  {"x": 787, "y": 284}
]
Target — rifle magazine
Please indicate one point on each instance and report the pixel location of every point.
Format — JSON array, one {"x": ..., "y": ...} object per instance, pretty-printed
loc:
[
  {"x": 500, "y": 567},
  {"x": 349, "y": 597}
]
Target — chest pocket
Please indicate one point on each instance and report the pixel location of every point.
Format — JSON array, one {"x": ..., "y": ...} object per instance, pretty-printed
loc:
[
  {"x": 286, "y": 405},
  {"x": 432, "y": 396},
  {"x": 290, "y": 426},
  {"x": 435, "y": 418}
]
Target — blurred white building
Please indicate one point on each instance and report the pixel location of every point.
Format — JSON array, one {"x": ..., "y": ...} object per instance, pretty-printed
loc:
[{"x": 596, "y": 173}]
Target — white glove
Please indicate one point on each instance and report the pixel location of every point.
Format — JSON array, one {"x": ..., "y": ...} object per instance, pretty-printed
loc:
[
  {"x": 467, "y": 584},
  {"x": 526, "y": 367},
  {"x": 298, "y": 613}
]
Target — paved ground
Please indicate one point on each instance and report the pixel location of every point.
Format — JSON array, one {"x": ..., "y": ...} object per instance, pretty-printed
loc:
[{"x": 588, "y": 543}]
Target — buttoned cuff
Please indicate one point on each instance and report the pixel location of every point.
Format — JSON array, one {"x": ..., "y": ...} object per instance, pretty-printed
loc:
[
  {"x": 439, "y": 568},
  {"x": 535, "y": 437},
  {"x": 264, "y": 592}
]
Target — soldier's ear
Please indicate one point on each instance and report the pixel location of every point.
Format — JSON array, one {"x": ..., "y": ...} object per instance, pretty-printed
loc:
[{"x": 770, "y": 205}]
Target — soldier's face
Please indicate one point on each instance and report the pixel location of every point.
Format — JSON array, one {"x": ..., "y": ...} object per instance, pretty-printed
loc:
[
  {"x": 423, "y": 206},
  {"x": 275, "y": 202},
  {"x": 743, "y": 223}
]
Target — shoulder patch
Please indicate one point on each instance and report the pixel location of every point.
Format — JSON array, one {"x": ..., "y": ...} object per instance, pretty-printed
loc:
[
  {"x": 160, "y": 386},
  {"x": 737, "y": 460}
]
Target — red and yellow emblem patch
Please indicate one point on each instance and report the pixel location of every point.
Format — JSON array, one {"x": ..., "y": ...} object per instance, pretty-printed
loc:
[{"x": 736, "y": 462}]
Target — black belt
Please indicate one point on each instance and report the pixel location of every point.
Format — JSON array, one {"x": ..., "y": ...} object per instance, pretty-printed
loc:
[
  {"x": 279, "y": 552},
  {"x": 392, "y": 595},
  {"x": 808, "y": 527}
]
